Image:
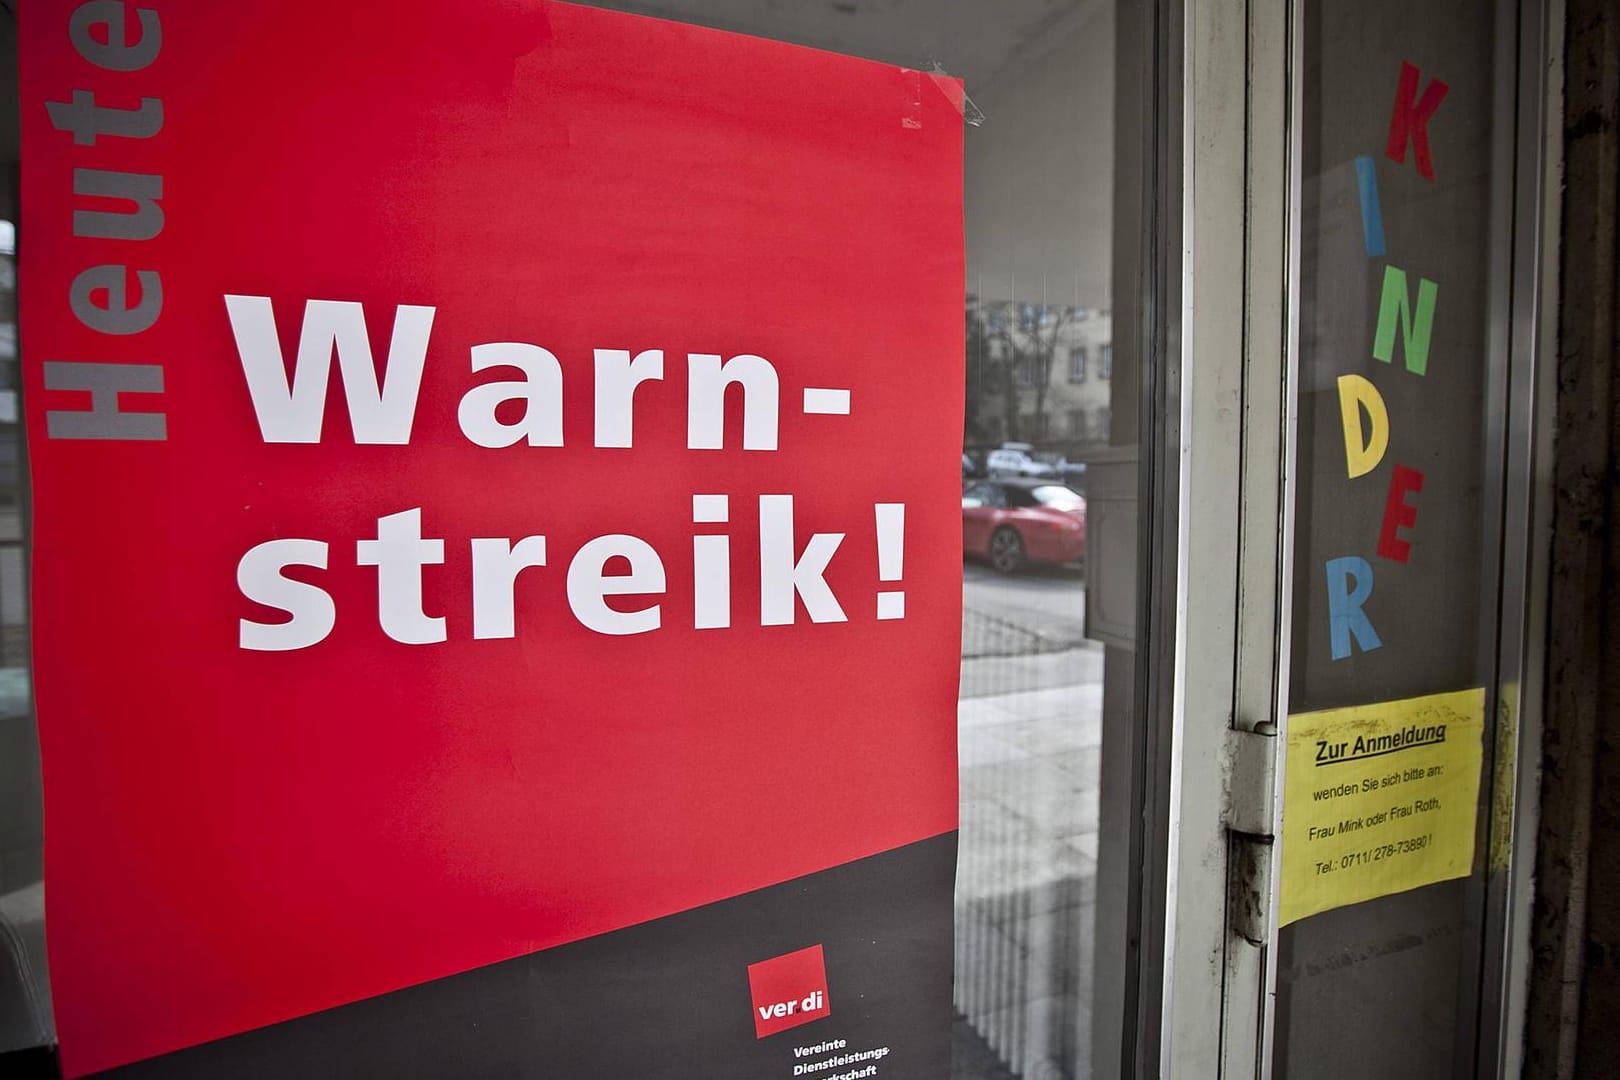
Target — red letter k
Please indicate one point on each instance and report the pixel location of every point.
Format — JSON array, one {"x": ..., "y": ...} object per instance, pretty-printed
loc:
[{"x": 1410, "y": 120}]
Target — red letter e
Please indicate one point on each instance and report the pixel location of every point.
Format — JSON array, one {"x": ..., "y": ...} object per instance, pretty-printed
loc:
[{"x": 1398, "y": 513}]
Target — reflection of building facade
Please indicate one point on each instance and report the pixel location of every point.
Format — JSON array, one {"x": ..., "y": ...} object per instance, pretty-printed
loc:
[{"x": 1039, "y": 374}]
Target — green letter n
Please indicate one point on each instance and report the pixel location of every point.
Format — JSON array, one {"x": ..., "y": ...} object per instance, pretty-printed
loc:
[{"x": 1414, "y": 332}]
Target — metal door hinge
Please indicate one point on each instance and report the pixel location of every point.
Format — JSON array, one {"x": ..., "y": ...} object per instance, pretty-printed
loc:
[{"x": 1251, "y": 771}]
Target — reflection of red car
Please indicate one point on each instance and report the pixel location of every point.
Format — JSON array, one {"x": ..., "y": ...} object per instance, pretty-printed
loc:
[{"x": 1011, "y": 522}]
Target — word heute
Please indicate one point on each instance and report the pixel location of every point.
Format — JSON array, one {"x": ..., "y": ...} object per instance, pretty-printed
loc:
[
  {"x": 291, "y": 410},
  {"x": 1350, "y": 577},
  {"x": 108, "y": 298}
]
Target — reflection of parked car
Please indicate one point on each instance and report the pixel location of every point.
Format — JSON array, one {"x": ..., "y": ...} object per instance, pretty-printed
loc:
[
  {"x": 1073, "y": 473},
  {"x": 1011, "y": 522},
  {"x": 1015, "y": 459}
]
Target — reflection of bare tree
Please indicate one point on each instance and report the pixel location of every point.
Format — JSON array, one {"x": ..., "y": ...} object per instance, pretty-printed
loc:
[
  {"x": 1001, "y": 332},
  {"x": 978, "y": 365},
  {"x": 1048, "y": 324},
  {"x": 1012, "y": 351}
]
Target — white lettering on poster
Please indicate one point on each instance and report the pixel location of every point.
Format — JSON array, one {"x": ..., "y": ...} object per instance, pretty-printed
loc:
[{"x": 290, "y": 404}]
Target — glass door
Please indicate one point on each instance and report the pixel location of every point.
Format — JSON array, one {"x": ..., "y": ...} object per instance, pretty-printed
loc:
[
  {"x": 1360, "y": 676},
  {"x": 1070, "y": 537},
  {"x": 1411, "y": 505}
]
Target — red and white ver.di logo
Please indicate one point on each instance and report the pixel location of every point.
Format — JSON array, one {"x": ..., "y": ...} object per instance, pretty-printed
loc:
[{"x": 788, "y": 990}]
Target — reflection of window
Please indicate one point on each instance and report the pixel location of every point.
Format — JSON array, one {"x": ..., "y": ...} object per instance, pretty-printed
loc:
[
  {"x": 1020, "y": 498},
  {"x": 1077, "y": 423},
  {"x": 986, "y": 494},
  {"x": 1105, "y": 362},
  {"x": 1025, "y": 377},
  {"x": 1077, "y": 364},
  {"x": 1103, "y": 423},
  {"x": 1042, "y": 425}
]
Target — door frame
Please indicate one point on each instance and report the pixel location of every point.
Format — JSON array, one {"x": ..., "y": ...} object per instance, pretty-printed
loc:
[
  {"x": 1218, "y": 418},
  {"x": 1219, "y": 414}
]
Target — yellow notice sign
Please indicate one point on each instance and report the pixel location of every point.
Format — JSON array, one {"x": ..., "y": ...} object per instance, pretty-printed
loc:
[{"x": 1379, "y": 799}]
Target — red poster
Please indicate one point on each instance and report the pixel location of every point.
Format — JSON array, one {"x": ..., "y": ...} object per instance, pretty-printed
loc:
[{"x": 496, "y": 540}]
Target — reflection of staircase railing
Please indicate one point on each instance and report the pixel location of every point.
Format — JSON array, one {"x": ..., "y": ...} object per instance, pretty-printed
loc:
[
  {"x": 1020, "y": 974},
  {"x": 1029, "y": 735},
  {"x": 1026, "y": 885},
  {"x": 1030, "y": 729}
]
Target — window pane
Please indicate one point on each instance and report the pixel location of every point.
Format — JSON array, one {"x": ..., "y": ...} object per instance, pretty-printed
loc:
[
  {"x": 1044, "y": 872},
  {"x": 1394, "y": 611}
]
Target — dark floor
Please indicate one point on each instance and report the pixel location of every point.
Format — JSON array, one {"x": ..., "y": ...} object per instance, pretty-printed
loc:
[
  {"x": 39, "y": 1064},
  {"x": 972, "y": 1058}
]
